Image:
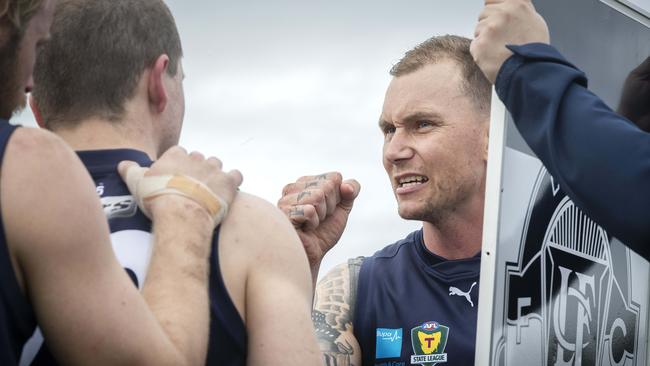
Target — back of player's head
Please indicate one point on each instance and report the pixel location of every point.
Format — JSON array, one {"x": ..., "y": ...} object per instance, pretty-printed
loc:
[
  {"x": 97, "y": 53},
  {"x": 449, "y": 47}
]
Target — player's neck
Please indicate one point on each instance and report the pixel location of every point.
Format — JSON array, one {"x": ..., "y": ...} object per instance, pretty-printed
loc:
[
  {"x": 459, "y": 234},
  {"x": 99, "y": 134}
]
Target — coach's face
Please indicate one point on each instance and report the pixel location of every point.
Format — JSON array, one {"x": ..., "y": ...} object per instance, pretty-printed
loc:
[
  {"x": 20, "y": 80},
  {"x": 435, "y": 142}
]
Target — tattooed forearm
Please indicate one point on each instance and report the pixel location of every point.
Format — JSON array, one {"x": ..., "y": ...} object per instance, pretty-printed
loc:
[{"x": 332, "y": 316}]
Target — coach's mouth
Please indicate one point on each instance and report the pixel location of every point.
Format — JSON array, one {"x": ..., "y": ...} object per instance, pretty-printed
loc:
[{"x": 409, "y": 183}]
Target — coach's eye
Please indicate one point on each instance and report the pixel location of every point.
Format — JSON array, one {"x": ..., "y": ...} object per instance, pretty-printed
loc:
[{"x": 387, "y": 129}]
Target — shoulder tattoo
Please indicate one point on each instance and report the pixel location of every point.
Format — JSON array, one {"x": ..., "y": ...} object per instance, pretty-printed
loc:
[{"x": 332, "y": 314}]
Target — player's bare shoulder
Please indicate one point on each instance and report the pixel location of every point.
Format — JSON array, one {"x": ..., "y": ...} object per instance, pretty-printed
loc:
[
  {"x": 252, "y": 222},
  {"x": 255, "y": 233},
  {"x": 39, "y": 170},
  {"x": 36, "y": 147},
  {"x": 43, "y": 182},
  {"x": 248, "y": 209}
]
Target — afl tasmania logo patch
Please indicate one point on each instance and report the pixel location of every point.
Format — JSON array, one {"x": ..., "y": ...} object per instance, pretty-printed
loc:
[{"x": 429, "y": 341}]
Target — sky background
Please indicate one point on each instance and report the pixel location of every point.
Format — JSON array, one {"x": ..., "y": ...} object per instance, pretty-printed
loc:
[{"x": 281, "y": 89}]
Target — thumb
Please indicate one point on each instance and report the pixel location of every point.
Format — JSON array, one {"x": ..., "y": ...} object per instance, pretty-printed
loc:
[
  {"x": 349, "y": 191},
  {"x": 131, "y": 174}
]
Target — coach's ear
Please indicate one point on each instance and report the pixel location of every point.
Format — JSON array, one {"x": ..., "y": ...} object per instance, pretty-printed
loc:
[
  {"x": 37, "y": 113},
  {"x": 157, "y": 92}
]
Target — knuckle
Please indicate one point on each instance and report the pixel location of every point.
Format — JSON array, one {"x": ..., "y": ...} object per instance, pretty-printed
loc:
[
  {"x": 196, "y": 153},
  {"x": 521, "y": 6},
  {"x": 287, "y": 188},
  {"x": 310, "y": 211},
  {"x": 319, "y": 195},
  {"x": 328, "y": 186},
  {"x": 214, "y": 163},
  {"x": 177, "y": 150},
  {"x": 489, "y": 28}
]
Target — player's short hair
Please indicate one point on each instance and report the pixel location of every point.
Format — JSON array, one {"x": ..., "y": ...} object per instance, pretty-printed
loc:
[
  {"x": 449, "y": 47},
  {"x": 96, "y": 56},
  {"x": 19, "y": 12}
]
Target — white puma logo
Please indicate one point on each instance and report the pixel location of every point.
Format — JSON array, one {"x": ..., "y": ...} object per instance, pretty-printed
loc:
[{"x": 457, "y": 292}]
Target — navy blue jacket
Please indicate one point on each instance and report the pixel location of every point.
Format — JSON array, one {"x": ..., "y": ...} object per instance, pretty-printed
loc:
[{"x": 600, "y": 159}]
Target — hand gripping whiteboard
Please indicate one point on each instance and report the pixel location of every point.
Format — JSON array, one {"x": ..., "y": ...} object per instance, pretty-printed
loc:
[{"x": 556, "y": 289}]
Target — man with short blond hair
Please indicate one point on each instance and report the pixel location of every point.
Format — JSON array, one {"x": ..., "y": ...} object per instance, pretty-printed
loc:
[{"x": 413, "y": 302}]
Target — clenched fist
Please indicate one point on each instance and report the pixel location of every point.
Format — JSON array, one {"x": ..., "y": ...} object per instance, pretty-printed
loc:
[{"x": 318, "y": 206}]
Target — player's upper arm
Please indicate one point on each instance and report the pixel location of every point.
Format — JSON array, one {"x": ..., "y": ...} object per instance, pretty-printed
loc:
[
  {"x": 333, "y": 314},
  {"x": 278, "y": 285},
  {"x": 89, "y": 311}
]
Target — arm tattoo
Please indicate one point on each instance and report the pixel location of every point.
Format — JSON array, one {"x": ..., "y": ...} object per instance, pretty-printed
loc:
[
  {"x": 332, "y": 314},
  {"x": 354, "y": 265}
]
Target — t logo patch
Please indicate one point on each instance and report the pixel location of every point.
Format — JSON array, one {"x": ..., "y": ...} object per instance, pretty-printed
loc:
[
  {"x": 389, "y": 343},
  {"x": 429, "y": 342}
]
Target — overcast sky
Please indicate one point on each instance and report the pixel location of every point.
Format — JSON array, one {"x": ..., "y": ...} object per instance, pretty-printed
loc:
[{"x": 280, "y": 89}]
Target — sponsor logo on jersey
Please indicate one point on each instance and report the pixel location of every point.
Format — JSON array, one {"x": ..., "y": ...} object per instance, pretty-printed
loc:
[
  {"x": 389, "y": 343},
  {"x": 429, "y": 341},
  {"x": 455, "y": 291},
  {"x": 100, "y": 189},
  {"x": 119, "y": 206}
]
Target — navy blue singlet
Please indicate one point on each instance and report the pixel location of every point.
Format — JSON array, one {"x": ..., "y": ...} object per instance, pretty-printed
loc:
[
  {"x": 17, "y": 321},
  {"x": 131, "y": 238},
  {"x": 415, "y": 308}
]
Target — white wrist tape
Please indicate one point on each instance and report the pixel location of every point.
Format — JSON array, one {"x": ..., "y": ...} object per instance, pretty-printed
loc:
[{"x": 144, "y": 189}]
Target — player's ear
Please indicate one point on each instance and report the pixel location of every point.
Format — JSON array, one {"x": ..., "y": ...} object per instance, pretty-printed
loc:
[
  {"x": 156, "y": 84},
  {"x": 37, "y": 113}
]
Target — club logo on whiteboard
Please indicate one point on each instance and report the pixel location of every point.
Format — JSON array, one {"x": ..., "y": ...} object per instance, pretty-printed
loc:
[{"x": 567, "y": 304}]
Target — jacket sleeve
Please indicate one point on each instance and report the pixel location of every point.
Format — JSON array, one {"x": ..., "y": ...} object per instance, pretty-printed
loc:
[{"x": 600, "y": 159}]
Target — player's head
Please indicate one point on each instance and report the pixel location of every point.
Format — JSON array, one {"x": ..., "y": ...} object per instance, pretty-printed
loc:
[
  {"x": 435, "y": 125},
  {"x": 24, "y": 24},
  {"x": 107, "y": 59}
]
